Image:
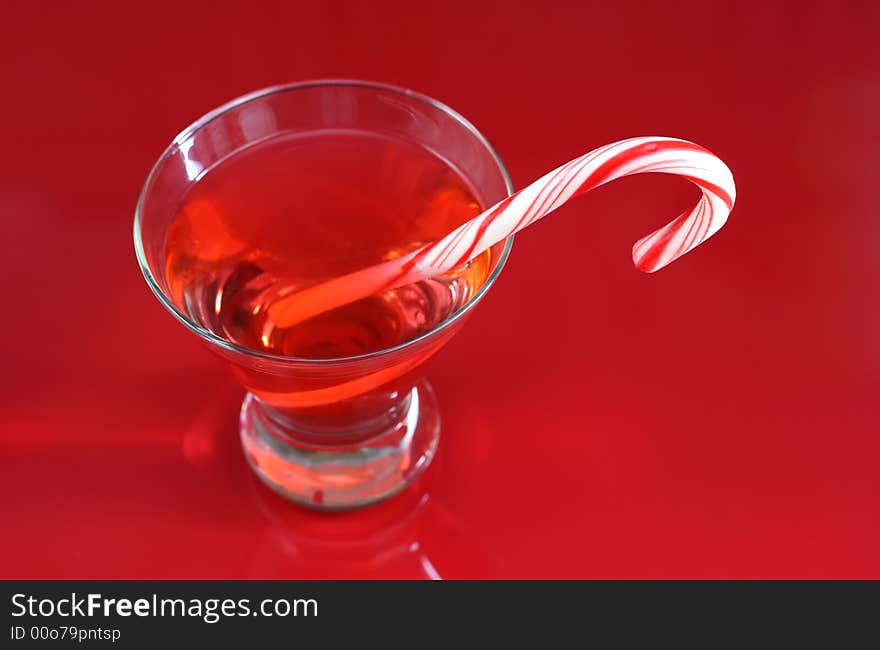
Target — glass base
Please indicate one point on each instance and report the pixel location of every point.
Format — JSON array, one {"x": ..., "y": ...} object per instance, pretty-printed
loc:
[{"x": 338, "y": 477}]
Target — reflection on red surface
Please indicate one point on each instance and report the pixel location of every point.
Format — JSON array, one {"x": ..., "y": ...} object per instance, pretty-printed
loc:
[
  {"x": 379, "y": 542},
  {"x": 717, "y": 419}
]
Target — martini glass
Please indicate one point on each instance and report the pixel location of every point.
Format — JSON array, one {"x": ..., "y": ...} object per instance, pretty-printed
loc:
[{"x": 346, "y": 429}]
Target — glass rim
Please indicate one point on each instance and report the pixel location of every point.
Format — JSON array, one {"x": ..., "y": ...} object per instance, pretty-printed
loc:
[{"x": 212, "y": 115}]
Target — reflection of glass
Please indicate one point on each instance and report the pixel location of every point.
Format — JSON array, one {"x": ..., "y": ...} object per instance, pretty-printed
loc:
[
  {"x": 383, "y": 542},
  {"x": 294, "y": 185}
]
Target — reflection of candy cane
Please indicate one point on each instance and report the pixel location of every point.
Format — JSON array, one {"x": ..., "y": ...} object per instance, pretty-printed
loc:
[{"x": 633, "y": 156}]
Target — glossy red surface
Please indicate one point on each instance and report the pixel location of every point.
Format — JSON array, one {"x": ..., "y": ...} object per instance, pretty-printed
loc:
[{"x": 717, "y": 419}]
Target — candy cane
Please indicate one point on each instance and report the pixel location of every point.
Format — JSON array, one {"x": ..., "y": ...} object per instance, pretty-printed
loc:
[{"x": 518, "y": 211}]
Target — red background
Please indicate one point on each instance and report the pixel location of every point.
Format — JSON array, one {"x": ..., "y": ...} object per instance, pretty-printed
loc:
[{"x": 717, "y": 419}]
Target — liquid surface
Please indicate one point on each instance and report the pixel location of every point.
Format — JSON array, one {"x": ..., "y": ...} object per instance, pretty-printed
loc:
[{"x": 295, "y": 211}]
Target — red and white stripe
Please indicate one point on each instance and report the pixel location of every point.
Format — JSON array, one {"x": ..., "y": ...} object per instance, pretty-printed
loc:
[{"x": 509, "y": 216}]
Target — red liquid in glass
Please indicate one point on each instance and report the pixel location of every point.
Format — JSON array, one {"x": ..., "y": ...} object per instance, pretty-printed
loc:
[{"x": 294, "y": 211}]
